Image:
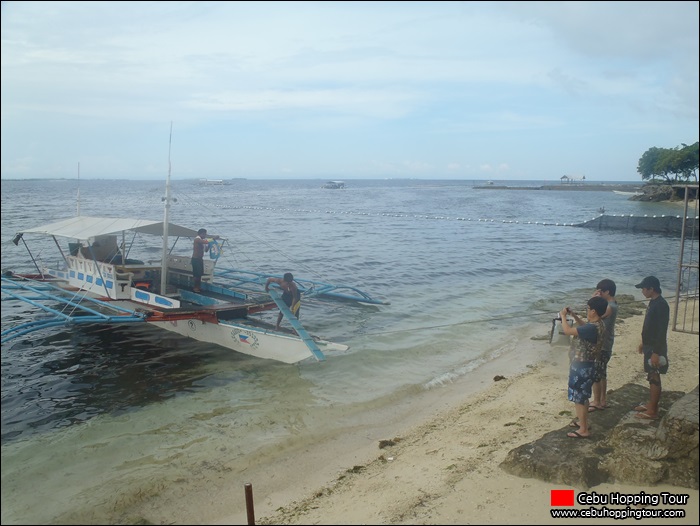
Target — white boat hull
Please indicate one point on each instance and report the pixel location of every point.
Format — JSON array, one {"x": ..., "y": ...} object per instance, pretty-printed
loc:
[{"x": 245, "y": 339}]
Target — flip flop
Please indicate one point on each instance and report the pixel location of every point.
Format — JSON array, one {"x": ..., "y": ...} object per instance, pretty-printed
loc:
[
  {"x": 641, "y": 408},
  {"x": 575, "y": 434},
  {"x": 575, "y": 425},
  {"x": 646, "y": 416},
  {"x": 592, "y": 408}
]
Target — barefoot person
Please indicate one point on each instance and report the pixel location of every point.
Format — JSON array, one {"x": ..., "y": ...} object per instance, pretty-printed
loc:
[
  {"x": 586, "y": 347},
  {"x": 201, "y": 245},
  {"x": 654, "y": 346},
  {"x": 606, "y": 289},
  {"x": 290, "y": 294}
]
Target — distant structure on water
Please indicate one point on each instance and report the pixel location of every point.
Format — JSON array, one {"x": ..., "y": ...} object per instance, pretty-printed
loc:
[
  {"x": 573, "y": 179},
  {"x": 212, "y": 182},
  {"x": 334, "y": 185}
]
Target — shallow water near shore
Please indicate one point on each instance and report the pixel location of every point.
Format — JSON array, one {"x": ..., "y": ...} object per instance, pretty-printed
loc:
[{"x": 96, "y": 422}]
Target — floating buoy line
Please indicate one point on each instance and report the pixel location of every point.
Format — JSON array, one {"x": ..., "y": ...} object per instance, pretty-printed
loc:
[
  {"x": 189, "y": 199},
  {"x": 421, "y": 216},
  {"x": 388, "y": 214}
]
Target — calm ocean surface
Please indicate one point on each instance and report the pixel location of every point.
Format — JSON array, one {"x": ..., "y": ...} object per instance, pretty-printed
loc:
[{"x": 96, "y": 419}]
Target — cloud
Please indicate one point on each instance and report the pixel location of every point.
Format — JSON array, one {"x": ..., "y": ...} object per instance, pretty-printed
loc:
[{"x": 444, "y": 84}]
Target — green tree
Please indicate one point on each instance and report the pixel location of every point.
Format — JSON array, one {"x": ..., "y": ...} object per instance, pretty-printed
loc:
[
  {"x": 686, "y": 162},
  {"x": 647, "y": 163},
  {"x": 673, "y": 165}
]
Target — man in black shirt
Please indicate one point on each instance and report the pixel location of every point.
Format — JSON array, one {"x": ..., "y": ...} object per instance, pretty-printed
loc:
[{"x": 653, "y": 346}]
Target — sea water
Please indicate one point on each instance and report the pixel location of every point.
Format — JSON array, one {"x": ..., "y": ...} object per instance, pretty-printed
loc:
[{"x": 96, "y": 420}]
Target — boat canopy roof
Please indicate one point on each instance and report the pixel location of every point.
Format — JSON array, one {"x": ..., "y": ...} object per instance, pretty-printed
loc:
[{"x": 86, "y": 228}]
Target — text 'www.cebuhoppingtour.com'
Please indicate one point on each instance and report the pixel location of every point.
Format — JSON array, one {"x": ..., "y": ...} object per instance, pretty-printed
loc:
[{"x": 598, "y": 503}]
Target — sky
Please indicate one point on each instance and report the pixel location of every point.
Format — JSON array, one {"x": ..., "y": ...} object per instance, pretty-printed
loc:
[{"x": 345, "y": 90}]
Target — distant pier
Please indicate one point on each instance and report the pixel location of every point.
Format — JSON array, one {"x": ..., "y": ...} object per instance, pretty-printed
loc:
[{"x": 602, "y": 187}]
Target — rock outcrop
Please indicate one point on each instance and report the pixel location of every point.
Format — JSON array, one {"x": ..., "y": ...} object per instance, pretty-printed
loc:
[
  {"x": 622, "y": 448},
  {"x": 666, "y": 192},
  {"x": 655, "y": 193}
]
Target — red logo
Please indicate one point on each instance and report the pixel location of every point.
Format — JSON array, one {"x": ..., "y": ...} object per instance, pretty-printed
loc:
[{"x": 561, "y": 497}]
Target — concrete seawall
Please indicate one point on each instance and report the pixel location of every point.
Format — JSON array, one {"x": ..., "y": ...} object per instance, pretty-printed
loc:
[{"x": 669, "y": 225}]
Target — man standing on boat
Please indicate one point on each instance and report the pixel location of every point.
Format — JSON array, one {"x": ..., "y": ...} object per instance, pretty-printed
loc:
[
  {"x": 290, "y": 294},
  {"x": 201, "y": 244}
]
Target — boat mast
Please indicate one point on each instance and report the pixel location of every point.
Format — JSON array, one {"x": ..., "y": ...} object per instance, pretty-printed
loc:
[
  {"x": 166, "y": 222},
  {"x": 78, "y": 206}
]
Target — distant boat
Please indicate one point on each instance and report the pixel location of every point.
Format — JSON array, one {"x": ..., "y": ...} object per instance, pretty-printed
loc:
[
  {"x": 489, "y": 182},
  {"x": 212, "y": 182},
  {"x": 334, "y": 185}
]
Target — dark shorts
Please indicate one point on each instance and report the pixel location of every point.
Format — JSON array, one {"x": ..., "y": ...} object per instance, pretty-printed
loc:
[
  {"x": 580, "y": 381},
  {"x": 289, "y": 300},
  {"x": 646, "y": 351},
  {"x": 197, "y": 267}
]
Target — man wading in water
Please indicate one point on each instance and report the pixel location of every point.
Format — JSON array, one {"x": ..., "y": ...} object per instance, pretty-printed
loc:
[{"x": 290, "y": 294}]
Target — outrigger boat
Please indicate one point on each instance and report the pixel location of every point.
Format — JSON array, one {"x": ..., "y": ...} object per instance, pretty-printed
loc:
[{"x": 95, "y": 282}]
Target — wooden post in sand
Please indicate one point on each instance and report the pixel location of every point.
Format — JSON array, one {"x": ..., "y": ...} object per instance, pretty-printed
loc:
[{"x": 249, "y": 503}]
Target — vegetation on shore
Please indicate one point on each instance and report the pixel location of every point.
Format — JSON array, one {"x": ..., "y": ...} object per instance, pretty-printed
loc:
[
  {"x": 665, "y": 168},
  {"x": 677, "y": 165}
]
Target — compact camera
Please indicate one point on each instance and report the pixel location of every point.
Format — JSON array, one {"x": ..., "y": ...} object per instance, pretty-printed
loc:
[{"x": 662, "y": 362}]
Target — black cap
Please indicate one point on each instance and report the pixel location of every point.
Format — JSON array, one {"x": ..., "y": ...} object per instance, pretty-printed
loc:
[{"x": 650, "y": 282}]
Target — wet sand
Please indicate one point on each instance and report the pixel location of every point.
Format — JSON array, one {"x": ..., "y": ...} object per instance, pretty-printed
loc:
[{"x": 445, "y": 470}]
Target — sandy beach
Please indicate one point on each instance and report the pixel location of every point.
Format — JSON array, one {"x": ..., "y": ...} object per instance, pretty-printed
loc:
[{"x": 442, "y": 466}]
